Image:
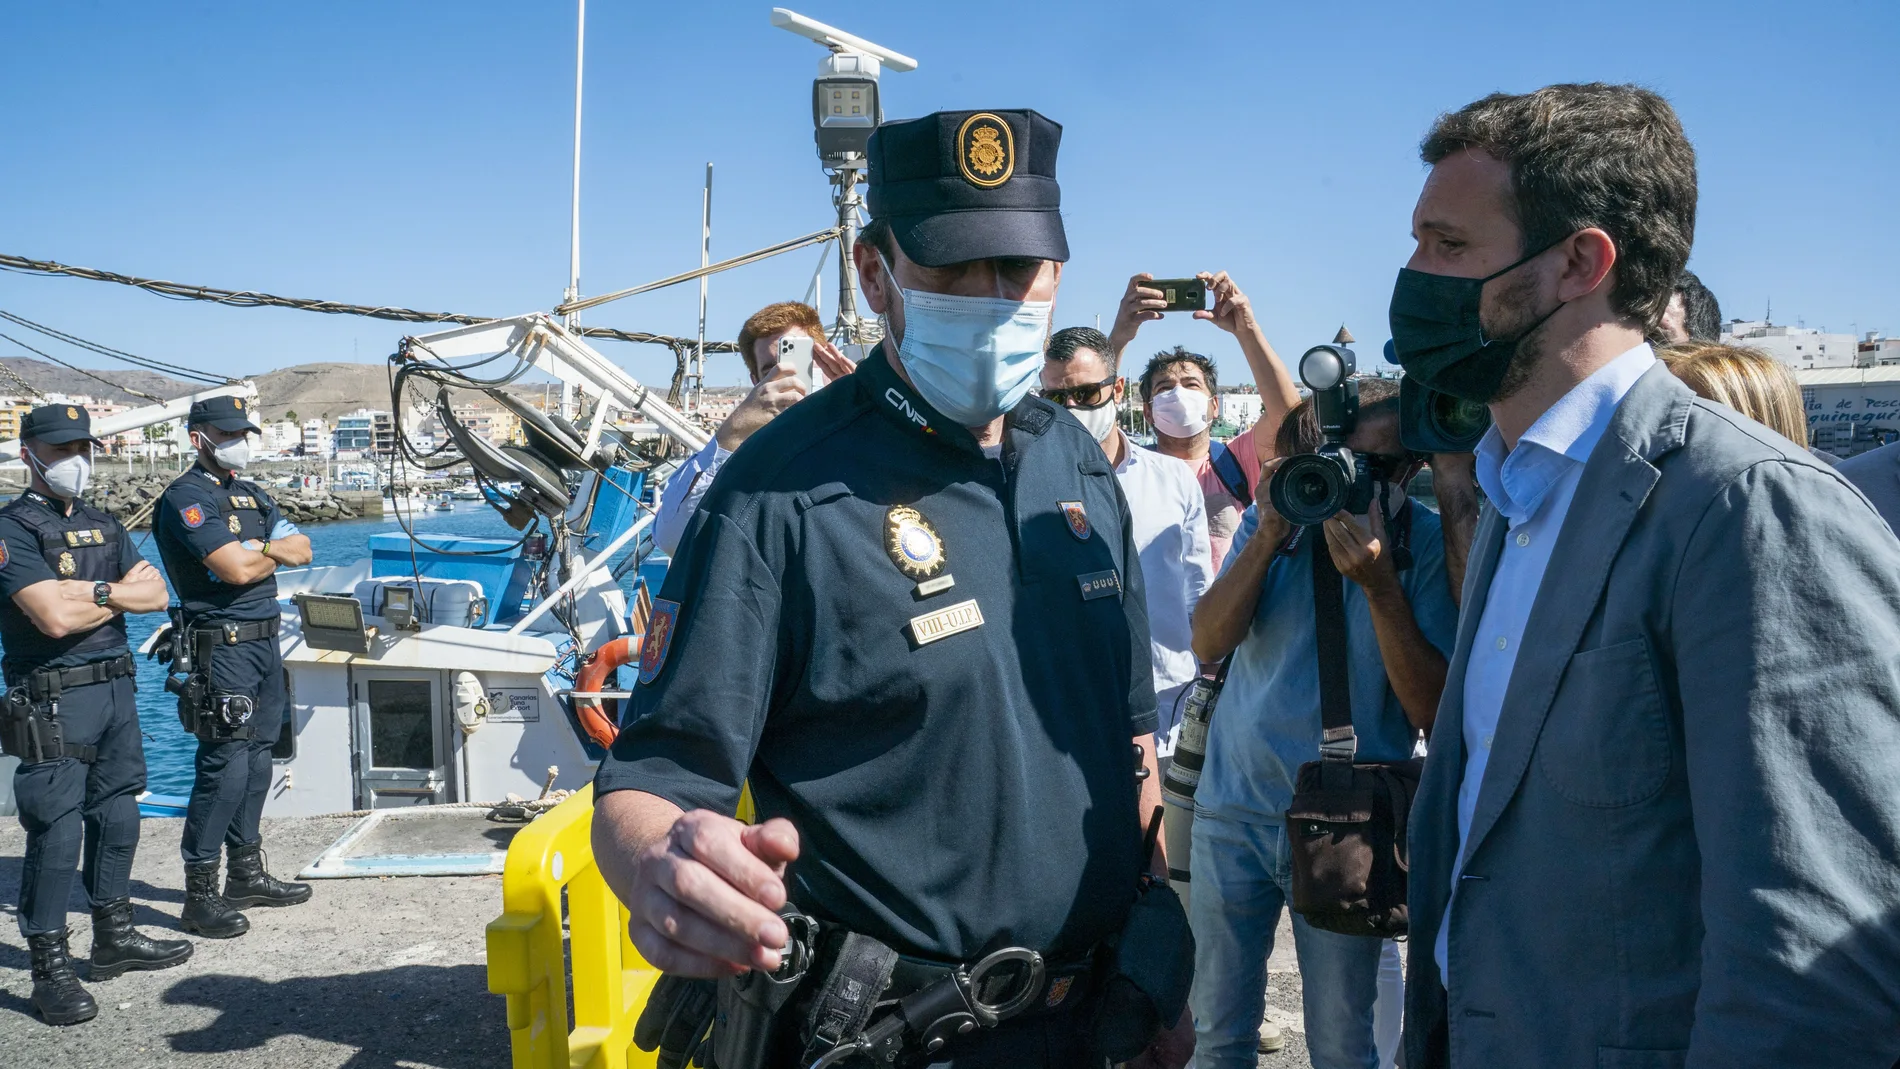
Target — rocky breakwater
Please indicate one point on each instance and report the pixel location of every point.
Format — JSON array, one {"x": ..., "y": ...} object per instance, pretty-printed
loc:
[{"x": 132, "y": 497}]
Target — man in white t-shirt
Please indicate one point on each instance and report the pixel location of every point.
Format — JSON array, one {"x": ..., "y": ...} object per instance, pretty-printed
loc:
[
  {"x": 774, "y": 389},
  {"x": 1166, "y": 503},
  {"x": 1178, "y": 391}
]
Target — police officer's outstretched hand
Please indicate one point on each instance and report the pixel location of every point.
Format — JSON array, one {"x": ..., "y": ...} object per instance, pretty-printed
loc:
[
  {"x": 775, "y": 393},
  {"x": 705, "y": 896}
]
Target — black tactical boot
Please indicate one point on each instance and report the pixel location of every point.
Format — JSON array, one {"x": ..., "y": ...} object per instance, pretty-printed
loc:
[
  {"x": 56, "y": 991},
  {"x": 206, "y": 911},
  {"x": 247, "y": 884},
  {"x": 117, "y": 946}
]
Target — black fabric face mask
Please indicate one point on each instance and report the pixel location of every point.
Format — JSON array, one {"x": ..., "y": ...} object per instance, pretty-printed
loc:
[{"x": 1438, "y": 340}]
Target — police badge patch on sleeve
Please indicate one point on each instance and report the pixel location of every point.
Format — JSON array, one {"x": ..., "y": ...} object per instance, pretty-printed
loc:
[
  {"x": 1078, "y": 518},
  {"x": 193, "y": 515},
  {"x": 3, "y": 552},
  {"x": 659, "y": 638}
]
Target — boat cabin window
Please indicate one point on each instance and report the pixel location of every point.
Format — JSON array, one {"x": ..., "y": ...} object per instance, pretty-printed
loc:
[{"x": 402, "y": 724}]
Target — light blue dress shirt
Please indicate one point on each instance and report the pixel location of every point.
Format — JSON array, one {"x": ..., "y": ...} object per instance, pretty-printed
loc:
[
  {"x": 1267, "y": 723},
  {"x": 684, "y": 490},
  {"x": 1531, "y": 487}
]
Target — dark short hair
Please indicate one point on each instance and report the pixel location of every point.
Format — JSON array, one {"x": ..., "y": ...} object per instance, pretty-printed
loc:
[
  {"x": 1170, "y": 357},
  {"x": 877, "y": 234},
  {"x": 1299, "y": 431},
  {"x": 770, "y": 320},
  {"x": 1701, "y": 314},
  {"x": 1064, "y": 344},
  {"x": 1607, "y": 156}
]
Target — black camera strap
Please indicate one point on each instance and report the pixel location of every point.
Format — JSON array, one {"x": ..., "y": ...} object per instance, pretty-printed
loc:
[{"x": 1337, "y": 743}]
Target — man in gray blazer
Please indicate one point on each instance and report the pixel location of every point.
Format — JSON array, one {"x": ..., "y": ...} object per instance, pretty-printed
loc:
[{"x": 1660, "y": 821}]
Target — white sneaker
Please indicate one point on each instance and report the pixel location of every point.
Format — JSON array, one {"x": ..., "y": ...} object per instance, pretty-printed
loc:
[{"x": 1271, "y": 1038}]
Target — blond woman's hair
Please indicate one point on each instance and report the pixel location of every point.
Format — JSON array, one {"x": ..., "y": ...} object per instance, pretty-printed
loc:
[{"x": 1747, "y": 380}]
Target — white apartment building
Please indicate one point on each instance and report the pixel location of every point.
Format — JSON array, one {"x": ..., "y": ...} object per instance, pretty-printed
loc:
[
  {"x": 1799, "y": 347},
  {"x": 281, "y": 437},
  {"x": 1239, "y": 410},
  {"x": 1851, "y": 410},
  {"x": 316, "y": 439}
]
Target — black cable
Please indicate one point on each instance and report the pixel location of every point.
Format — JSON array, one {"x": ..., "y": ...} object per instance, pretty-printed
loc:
[
  {"x": 82, "y": 371},
  {"x": 146, "y": 363}
]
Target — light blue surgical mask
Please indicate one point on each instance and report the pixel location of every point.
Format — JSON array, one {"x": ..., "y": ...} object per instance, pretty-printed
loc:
[{"x": 973, "y": 358}]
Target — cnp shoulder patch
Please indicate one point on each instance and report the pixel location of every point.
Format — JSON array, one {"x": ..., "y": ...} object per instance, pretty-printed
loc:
[
  {"x": 3, "y": 552},
  {"x": 986, "y": 150},
  {"x": 659, "y": 638},
  {"x": 193, "y": 515}
]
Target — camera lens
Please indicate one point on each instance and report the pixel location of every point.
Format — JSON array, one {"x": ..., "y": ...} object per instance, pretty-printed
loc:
[
  {"x": 1458, "y": 419},
  {"x": 1309, "y": 488}
]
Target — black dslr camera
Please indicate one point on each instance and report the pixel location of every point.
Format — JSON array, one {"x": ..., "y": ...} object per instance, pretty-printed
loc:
[
  {"x": 1434, "y": 422},
  {"x": 1309, "y": 488}
]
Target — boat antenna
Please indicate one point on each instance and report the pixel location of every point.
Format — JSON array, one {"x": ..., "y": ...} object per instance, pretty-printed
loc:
[
  {"x": 572, "y": 319},
  {"x": 705, "y": 261}
]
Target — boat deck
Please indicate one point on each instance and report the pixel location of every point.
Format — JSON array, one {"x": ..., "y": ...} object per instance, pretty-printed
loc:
[{"x": 380, "y": 973}]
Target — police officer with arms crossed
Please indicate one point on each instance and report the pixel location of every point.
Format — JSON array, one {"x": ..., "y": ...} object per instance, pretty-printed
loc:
[
  {"x": 222, "y": 540},
  {"x": 69, "y": 574},
  {"x": 910, "y": 614}
]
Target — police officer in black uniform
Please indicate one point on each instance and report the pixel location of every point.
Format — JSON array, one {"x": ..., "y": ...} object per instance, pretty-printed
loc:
[
  {"x": 909, "y": 613},
  {"x": 222, "y": 540},
  {"x": 69, "y": 574}
]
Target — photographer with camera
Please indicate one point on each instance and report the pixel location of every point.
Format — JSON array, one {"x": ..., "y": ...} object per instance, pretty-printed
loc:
[
  {"x": 777, "y": 384},
  {"x": 1177, "y": 394},
  {"x": 1399, "y": 621}
]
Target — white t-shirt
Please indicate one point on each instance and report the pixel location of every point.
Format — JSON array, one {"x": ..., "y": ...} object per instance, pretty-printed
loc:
[{"x": 1170, "y": 528}]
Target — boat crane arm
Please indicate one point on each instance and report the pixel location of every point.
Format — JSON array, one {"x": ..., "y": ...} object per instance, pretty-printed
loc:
[
  {"x": 542, "y": 341},
  {"x": 164, "y": 412}
]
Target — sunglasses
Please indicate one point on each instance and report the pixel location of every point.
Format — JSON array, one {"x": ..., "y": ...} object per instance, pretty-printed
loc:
[{"x": 1087, "y": 395}]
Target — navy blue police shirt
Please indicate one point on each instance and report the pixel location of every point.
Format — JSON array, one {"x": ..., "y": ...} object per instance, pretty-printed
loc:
[
  {"x": 38, "y": 543},
  {"x": 199, "y": 514},
  {"x": 932, "y": 661}
]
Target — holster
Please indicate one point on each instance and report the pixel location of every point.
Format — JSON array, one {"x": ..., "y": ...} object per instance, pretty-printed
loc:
[
  {"x": 1152, "y": 968},
  {"x": 31, "y": 730},
  {"x": 198, "y": 704}
]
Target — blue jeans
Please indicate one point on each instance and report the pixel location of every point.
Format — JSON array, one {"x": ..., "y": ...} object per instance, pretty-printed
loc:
[{"x": 1241, "y": 881}]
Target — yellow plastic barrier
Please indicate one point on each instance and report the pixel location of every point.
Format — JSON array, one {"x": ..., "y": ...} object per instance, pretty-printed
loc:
[{"x": 610, "y": 981}]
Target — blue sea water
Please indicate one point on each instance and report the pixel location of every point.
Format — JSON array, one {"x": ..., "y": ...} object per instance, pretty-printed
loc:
[{"x": 168, "y": 750}]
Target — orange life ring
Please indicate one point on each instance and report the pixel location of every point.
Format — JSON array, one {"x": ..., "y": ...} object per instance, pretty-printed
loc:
[{"x": 600, "y": 718}]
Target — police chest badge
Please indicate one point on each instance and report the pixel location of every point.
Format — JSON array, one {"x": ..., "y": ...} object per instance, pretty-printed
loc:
[
  {"x": 231, "y": 524},
  {"x": 91, "y": 537},
  {"x": 67, "y": 566},
  {"x": 659, "y": 638},
  {"x": 1078, "y": 518},
  {"x": 912, "y": 543},
  {"x": 193, "y": 515},
  {"x": 986, "y": 150}
]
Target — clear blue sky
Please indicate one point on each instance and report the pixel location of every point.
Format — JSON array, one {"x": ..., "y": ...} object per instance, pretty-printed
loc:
[{"x": 418, "y": 154}]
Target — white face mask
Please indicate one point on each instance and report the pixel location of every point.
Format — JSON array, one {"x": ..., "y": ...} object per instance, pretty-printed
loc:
[
  {"x": 66, "y": 478},
  {"x": 1180, "y": 412},
  {"x": 1100, "y": 421},
  {"x": 234, "y": 455},
  {"x": 972, "y": 358}
]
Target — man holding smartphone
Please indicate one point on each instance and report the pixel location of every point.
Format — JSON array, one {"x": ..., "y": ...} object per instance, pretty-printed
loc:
[
  {"x": 776, "y": 386},
  {"x": 1177, "y": 391}
]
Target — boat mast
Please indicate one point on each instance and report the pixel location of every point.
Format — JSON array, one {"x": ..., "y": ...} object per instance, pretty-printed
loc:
[
  {"x": 705, "y": 259},
  {"x": 572, "y": 320}
]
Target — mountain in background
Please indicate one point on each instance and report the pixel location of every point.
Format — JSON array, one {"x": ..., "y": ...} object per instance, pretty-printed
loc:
[{"x": 312, "y": 391}]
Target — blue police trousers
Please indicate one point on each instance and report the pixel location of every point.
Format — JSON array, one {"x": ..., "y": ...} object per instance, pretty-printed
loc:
[
  {"x": 72, "y": 809},
  {"x": 233, "y": 775}
]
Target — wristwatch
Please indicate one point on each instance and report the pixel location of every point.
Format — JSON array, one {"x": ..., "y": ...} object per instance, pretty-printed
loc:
[{"x": 101, "y": 593}]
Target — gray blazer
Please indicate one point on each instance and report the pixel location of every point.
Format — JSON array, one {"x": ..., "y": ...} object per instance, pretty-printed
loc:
[{"x": 1686, "y": 848}]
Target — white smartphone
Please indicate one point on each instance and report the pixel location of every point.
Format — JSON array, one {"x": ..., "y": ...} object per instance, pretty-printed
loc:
[{"x": 795, "y": 352}]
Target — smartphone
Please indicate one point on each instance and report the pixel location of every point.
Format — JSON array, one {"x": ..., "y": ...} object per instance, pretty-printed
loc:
[
  {"x": 795, "y": 352},
  {"x": 1182, "y": 294}
]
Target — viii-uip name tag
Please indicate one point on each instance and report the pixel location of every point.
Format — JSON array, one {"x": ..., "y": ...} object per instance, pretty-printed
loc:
[{"x": 963, "y": 616}]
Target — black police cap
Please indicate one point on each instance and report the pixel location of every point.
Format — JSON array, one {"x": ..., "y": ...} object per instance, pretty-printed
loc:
[
  {"x": 223, "y": 413},
  {"x": 58, "y": 424},
  {"x": 969, "y": 185}
]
